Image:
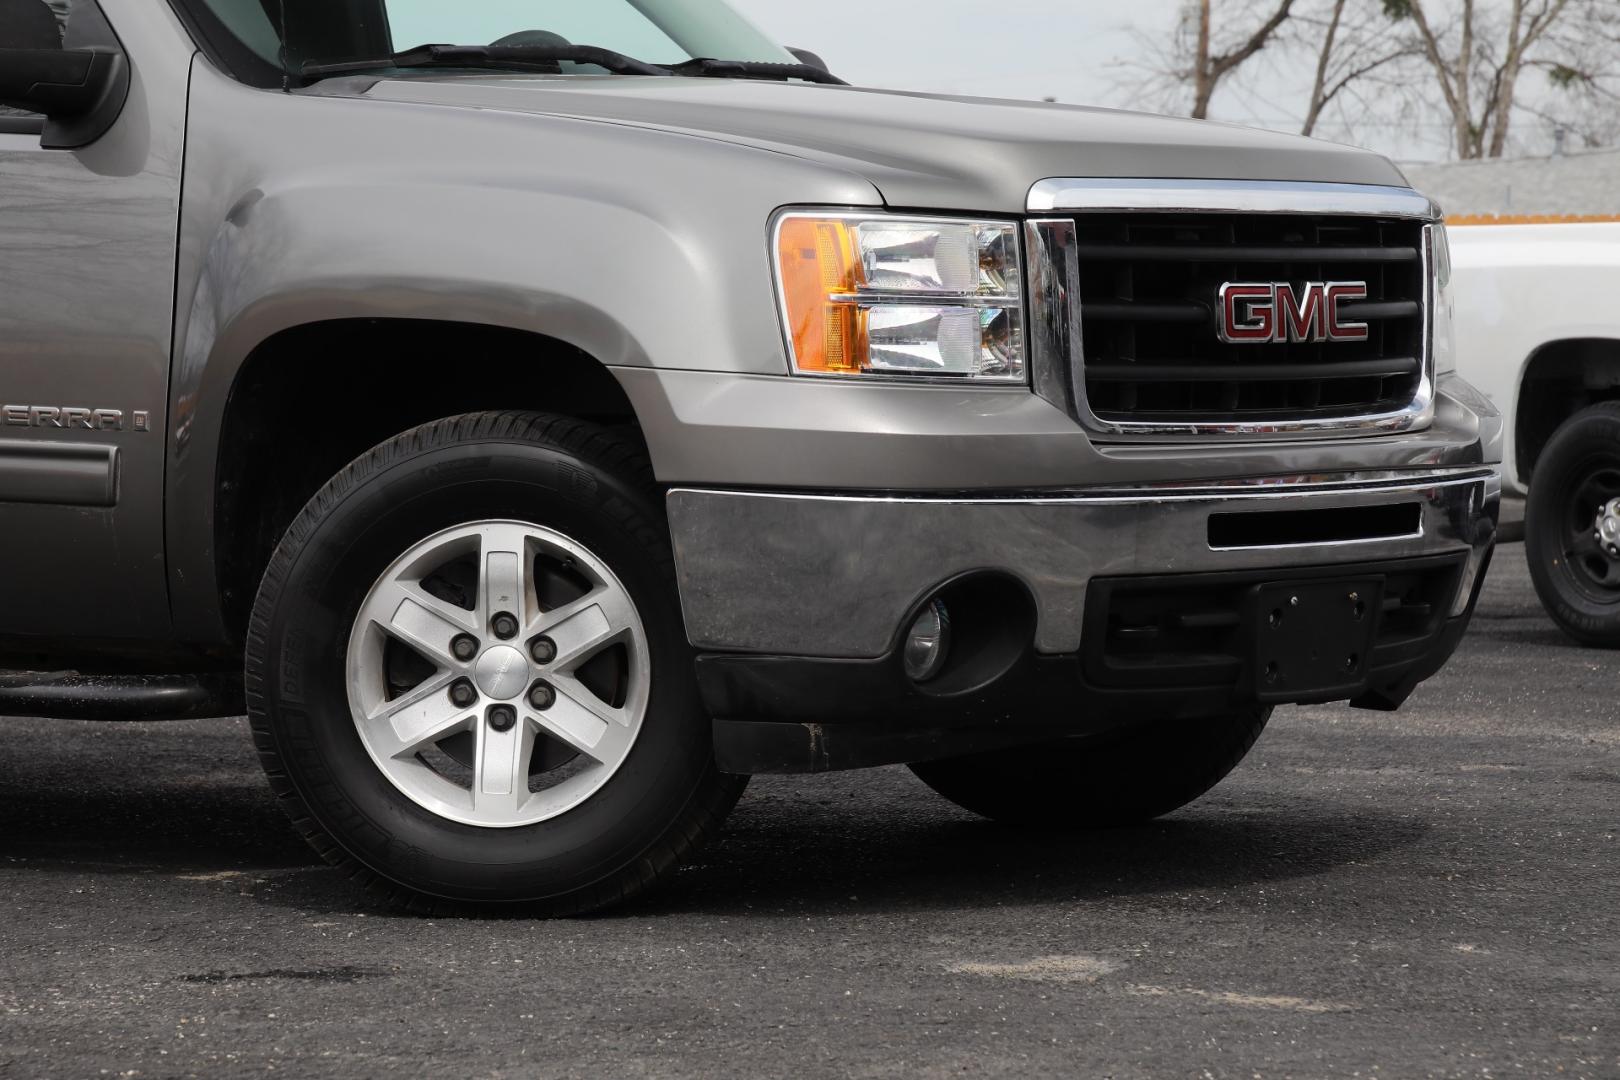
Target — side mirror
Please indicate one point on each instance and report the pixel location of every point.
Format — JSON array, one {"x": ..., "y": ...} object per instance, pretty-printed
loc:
[
  {"x": 80, "y": 88},
  {"x": 807, "y": 57},
  {"x": 57, "y": 82}
]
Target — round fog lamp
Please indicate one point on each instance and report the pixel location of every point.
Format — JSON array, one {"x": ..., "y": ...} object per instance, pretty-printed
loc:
[{"x": 927, "y": 642}]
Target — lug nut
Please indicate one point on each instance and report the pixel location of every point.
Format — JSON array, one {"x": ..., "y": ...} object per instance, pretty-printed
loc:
[
  {"x": 543, "y": 650},
  {"x": 542, "y": 696},
  {"x": 462, "y": 693},
  {"x": 502, "y": 718},
  {"x": 505, "y": 626},
  {"x": 464, "y": 646}
]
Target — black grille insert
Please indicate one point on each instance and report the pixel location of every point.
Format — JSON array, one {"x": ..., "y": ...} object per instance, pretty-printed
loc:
[
  {"x": 1335, "y": 525},
  {"x": 1149, "y": 291}
]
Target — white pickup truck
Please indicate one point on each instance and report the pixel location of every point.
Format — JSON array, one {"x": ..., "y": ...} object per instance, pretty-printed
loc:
[{"x": 1538, "y": 323}]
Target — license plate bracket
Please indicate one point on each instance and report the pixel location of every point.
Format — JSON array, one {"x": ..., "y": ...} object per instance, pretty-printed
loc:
[{"x": 1311, "y": 639}]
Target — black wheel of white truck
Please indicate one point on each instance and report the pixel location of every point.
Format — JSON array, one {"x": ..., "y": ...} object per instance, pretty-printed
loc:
[
  {"x": 468, "y": 677},
  {"x": 1131, "y": 776},
  {"x": 1572, "y": 526}
]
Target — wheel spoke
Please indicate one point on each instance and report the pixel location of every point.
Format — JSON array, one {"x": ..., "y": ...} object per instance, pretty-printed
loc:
[
  {"x": 1608, "y": 576},
  {"x": 503, "y": 574},
  {"x": 1583, "y": 543},
  {"x": 424, "y": 715},
  {"x": 501, "y": 768},
  {"x": 1598, "y": 488},
  {"x": 585, "y": 627},
  {"x": 421, "y": 621},
  {"x": 586, "y": 722}
]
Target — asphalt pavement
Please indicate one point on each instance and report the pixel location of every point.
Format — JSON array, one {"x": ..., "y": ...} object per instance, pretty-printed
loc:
[{"x": 1434, "y": 892}]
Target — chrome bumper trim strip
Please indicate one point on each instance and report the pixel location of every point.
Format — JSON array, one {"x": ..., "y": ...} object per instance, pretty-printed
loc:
[{"x": 1386, "y": 482}]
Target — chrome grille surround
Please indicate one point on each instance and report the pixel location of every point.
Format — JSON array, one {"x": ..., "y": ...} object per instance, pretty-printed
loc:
[{"x": 1057, "y": 330}]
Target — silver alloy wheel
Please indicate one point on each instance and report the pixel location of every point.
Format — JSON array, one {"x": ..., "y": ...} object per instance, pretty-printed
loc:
[{"x": 466, "y": 762}]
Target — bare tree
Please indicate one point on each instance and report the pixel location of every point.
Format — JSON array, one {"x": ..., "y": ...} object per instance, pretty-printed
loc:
[
  {"x": 1324, "y": 58},
  {"x": 1393, "y": 71},
  {"x": 1351, "y": 43},
  {"x": 1214, "y": 60},
  {"x": 1477, "y": 58},
  {"x": 1581, "y": 62},
  {"x": 1213, "y": 40}
]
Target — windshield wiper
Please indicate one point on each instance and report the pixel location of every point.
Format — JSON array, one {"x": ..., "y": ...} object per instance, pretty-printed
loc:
[
  {"x": 549, "y": 56},
  {"x": 755, "y": 69},
  {"x": 492, "y": 56}
]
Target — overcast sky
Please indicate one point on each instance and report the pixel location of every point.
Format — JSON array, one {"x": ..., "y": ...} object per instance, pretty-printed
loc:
[
  {"x": 1079, "y": 51},
  {"x": 997, "y": 47},
  {"x": 1001, "y": 48}
]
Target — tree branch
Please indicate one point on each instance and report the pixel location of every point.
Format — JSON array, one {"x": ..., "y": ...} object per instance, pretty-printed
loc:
[
  {"x": 1220, "y": 65},
  {"x": 1323, "y": 59}
]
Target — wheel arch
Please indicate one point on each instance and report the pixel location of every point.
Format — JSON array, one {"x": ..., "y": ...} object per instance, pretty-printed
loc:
[
  {"x": 1560, "y": 378},
  {"x": 307, "y": 399}
]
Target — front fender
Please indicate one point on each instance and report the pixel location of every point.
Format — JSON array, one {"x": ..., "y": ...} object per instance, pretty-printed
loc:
[
  {"x": 642, "y": 248},
  {"x": 1521, "y": 288}
]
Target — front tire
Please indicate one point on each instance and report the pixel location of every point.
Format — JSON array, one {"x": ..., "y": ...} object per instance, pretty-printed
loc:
[
  {"x": 1132, "y": 776},
  {"x": 468, "y": 678},
  {"x": 1572, "y": 527}
]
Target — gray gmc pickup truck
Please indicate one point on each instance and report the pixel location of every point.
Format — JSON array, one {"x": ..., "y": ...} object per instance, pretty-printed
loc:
[{"x": 539, "y": 415}]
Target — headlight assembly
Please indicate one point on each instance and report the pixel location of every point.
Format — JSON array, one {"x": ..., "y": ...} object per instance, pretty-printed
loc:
[{"x": 872, "y": 296}]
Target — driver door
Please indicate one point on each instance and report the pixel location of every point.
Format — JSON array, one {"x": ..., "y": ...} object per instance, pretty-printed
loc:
[{"x": 87, "y": 246}]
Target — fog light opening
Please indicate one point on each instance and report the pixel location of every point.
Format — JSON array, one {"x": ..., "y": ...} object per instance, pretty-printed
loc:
[{"x": 928, "y": 642}]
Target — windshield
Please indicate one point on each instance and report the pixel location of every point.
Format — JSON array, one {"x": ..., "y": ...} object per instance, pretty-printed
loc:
[{"x": 662, "y": 32}]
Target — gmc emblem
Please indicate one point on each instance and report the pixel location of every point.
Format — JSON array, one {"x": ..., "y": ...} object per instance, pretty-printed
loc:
[{"x": 1252, "y": 313}]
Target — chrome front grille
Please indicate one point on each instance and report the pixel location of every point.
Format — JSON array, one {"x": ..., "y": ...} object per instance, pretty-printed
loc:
[{"x": 1127, "y": 310}]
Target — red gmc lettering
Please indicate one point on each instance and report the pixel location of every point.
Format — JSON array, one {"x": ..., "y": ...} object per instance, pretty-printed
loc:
[
  {"x": 1248, "y": 313},
  {"x": 1257, "y": 312},
  {"x": 1337, "y": 328}
]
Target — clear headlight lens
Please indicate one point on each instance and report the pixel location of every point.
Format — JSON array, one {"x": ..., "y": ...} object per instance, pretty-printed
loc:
[
  {"x": 1445, "y": 333},
  {"x": 865, "y": 295}
]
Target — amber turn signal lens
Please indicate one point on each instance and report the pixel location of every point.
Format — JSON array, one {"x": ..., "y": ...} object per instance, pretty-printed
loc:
[{"x": 819, "y": 262}]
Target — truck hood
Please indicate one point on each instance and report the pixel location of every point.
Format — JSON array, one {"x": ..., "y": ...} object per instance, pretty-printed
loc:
[{"x": 919, "y": 150}]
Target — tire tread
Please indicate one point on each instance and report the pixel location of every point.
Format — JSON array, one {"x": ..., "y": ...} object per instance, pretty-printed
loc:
[{"x": 1599, "y": 424}]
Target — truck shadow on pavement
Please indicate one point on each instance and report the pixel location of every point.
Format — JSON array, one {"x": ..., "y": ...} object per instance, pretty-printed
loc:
[
  {"x": 165, "y": 828},
  {"x": 874, "y": 841},
  {"x": 874, "y": 861},
  {"x": 791, "y": 863}
]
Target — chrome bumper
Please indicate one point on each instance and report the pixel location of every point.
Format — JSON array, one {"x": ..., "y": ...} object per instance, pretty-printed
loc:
[{"x": 834, "y": 576}]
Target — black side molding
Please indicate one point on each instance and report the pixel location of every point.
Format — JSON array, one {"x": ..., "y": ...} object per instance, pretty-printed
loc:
[
  {"x": 58, "y": 473},
  {"x": 22, "y": 125}
]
